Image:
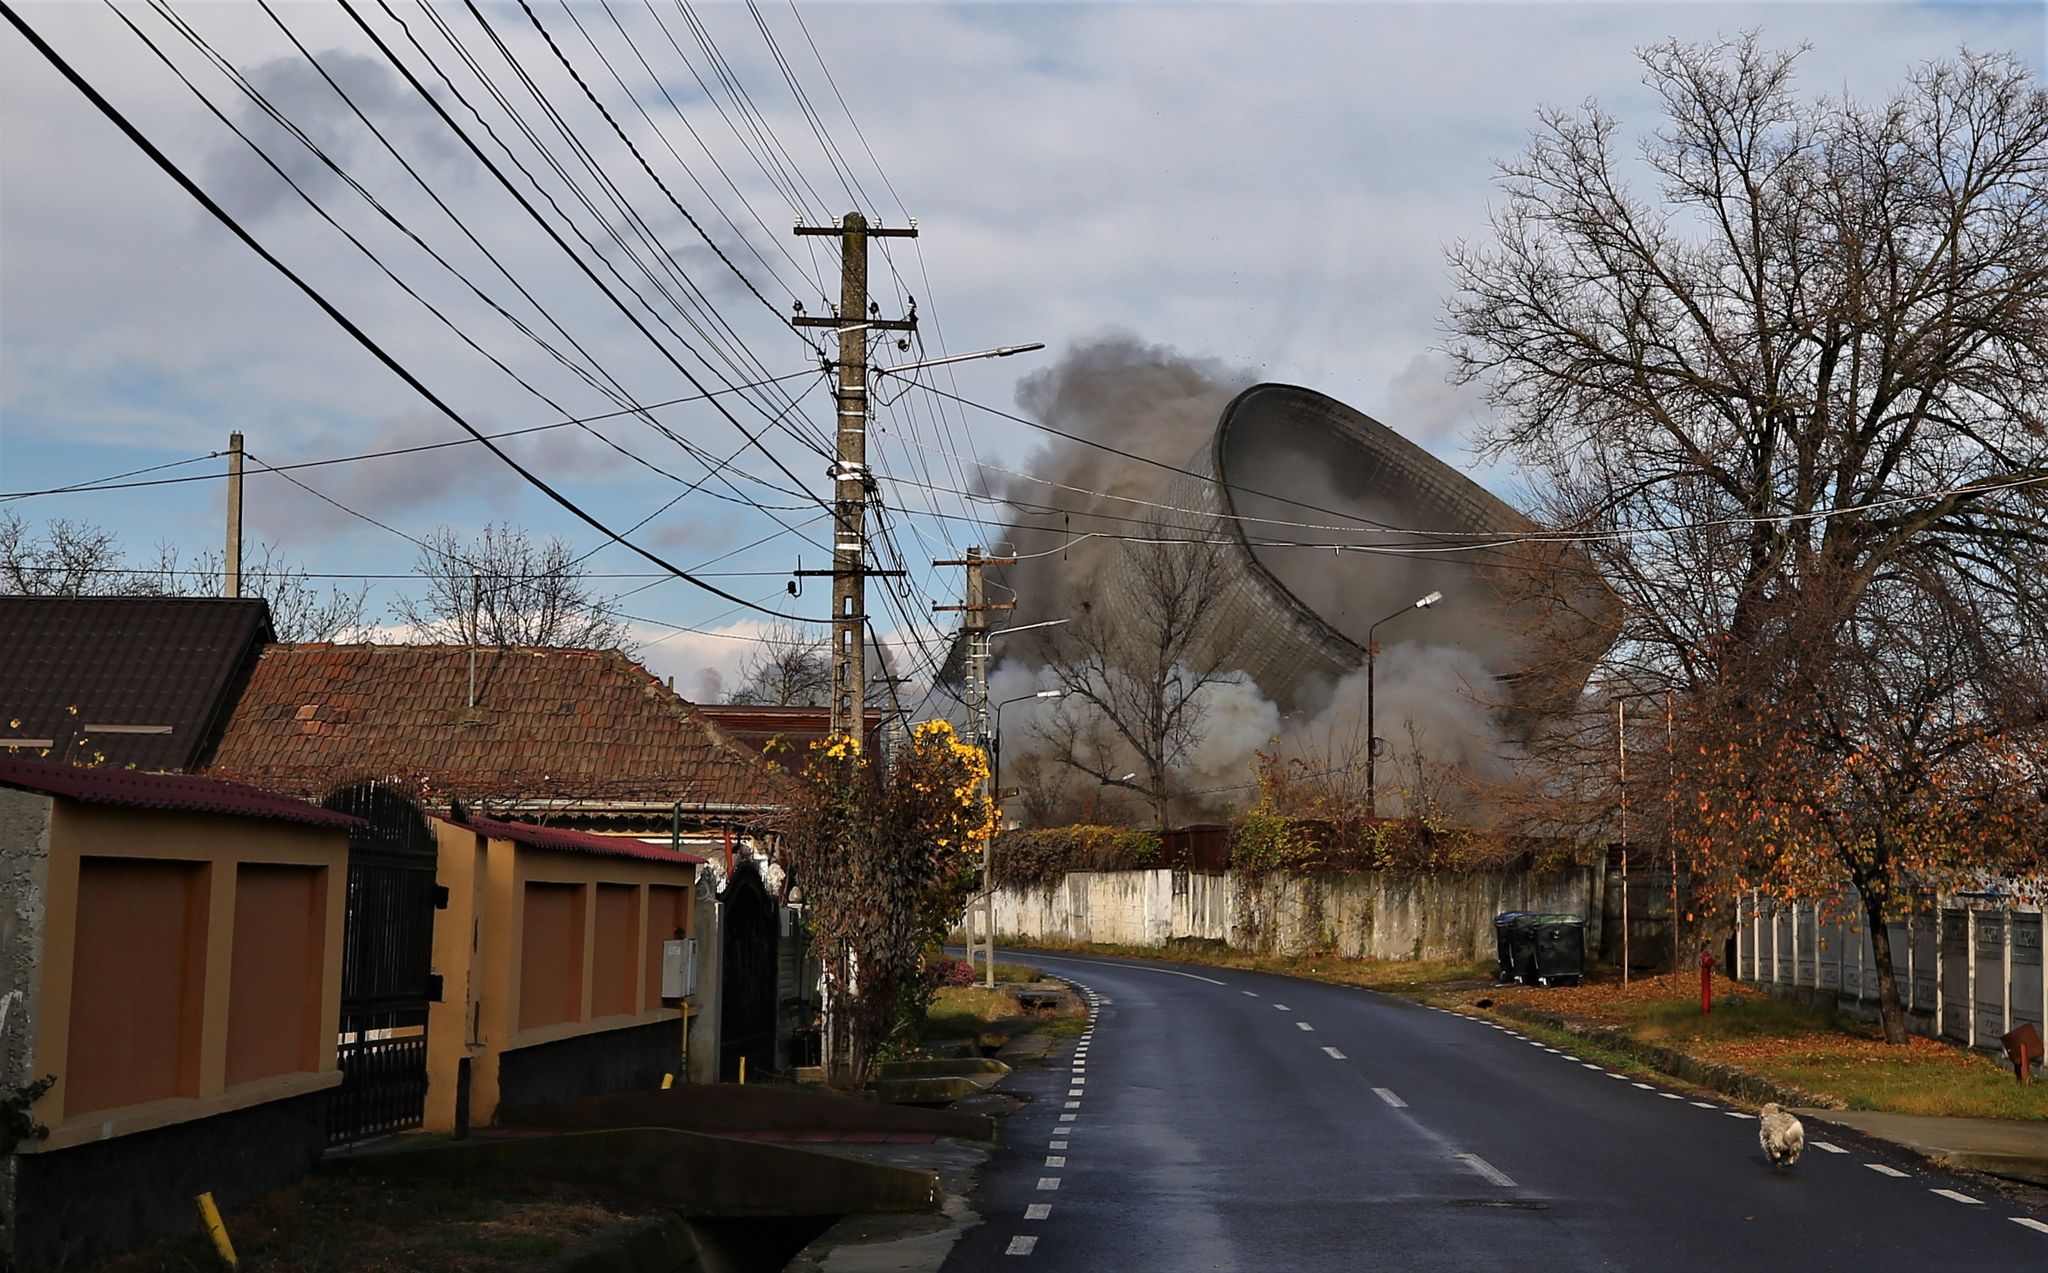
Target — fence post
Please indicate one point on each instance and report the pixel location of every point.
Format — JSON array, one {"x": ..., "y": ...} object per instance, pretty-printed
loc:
[
  {"x": 1912, "y": 980},
  {"x": 2005, "y": 986},
  {"x": 1970, "y": 985}
]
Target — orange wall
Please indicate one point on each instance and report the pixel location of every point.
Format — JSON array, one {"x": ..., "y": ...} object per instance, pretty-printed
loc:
[
  {"x": 274, "y": 988},
  {"x": 618, "y": 932},
  {"x": 137, "y": 982},
  {"x": 551, "y": 955}
]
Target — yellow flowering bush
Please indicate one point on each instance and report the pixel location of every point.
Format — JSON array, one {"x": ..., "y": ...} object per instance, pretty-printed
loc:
[{"x": 885, "y": 854}]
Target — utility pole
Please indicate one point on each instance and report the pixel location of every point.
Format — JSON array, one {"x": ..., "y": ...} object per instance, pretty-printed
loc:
[
  {"x": 975, "y": 628},
  {"x": 231, "y": 565},
  {"x": 850, "y": 478}
]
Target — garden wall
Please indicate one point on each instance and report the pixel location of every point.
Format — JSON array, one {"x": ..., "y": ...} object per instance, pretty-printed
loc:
[{"x": 1366, "y": 915}]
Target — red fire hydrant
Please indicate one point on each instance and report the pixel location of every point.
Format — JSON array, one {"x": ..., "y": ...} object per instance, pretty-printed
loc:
[{"x": 1706, "y": 982}]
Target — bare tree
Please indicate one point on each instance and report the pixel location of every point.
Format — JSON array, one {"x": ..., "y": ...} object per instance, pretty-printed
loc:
[
  {"x": 503, "y": 589},
  {"x": 1134, "y": 677},
  {"x": 786, "y": 668},
  {"x": 79, "y": 559},
  {"x": 1798, "y": 399}
]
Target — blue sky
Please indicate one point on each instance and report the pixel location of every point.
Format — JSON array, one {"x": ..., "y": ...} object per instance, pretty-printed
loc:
[{"x": 1267, "y": 185}]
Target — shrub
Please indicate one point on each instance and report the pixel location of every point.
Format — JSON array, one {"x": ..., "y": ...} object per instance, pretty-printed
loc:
[{"x": 1038, "y": 857}]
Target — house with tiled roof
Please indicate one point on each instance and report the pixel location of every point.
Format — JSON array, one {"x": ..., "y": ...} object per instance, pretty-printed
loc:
[
  {"x": 580, "y": 738},
  {"x": 141, "y": 682}
]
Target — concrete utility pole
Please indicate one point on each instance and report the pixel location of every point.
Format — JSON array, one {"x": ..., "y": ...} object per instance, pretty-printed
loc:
[
  {"x": 975, "y": 628},
  {"x": 231, "y": 565},
  {"x": 851, "y": 482}
]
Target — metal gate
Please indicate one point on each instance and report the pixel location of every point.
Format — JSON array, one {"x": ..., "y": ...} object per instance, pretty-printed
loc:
[
  {"x": 746, "y": 1018},
  {"x": 386, "y": 966}
]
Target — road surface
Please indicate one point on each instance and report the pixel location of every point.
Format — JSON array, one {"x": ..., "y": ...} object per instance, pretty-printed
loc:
[{"x": 1213, "y": 1119}]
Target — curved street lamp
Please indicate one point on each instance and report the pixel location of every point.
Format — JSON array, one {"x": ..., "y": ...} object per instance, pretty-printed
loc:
[
  {"x": 988, "y": 845},
  {"x": 1372, "y": 741}
]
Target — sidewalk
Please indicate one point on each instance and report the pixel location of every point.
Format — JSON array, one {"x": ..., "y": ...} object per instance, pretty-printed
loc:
[{"x": 2014, "y": 1148}]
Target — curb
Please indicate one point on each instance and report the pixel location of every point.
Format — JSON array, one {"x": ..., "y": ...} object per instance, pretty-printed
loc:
[{"x": 1753, "y": 1089}]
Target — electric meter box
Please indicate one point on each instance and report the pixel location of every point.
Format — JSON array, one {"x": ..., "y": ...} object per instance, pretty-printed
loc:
[{"x": 679, "y": 968}]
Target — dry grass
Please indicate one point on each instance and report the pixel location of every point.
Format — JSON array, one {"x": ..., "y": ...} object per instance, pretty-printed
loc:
[
  {"x": 1806, "y": 1047},
  {"x": 351, "y": 1224}
]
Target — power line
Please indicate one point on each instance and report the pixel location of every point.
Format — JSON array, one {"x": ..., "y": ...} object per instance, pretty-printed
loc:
[{"x": 177, "y": 174}]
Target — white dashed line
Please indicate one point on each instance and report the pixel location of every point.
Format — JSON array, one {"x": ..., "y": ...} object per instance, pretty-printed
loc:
[
  {"x": 1711, "y": 1105},
  {"x": 2035, "y": 1225},
  {"x": 1555, "y": 1052},
  {"x": 1953, "y": 1196},
  {"x": 1589, "y": 1065},
  {"x": 1390, "y": 1098},
  {"x": 1623, "y": 1077},
  {"x": 1283, "y": 1007},
  {"x": 1056, "y": 1144},
  {"x": 1827, "y": 1148},
  {"x": 1067, "y": 1118},
  {"x": 1883, "y": 1170},
  {"x": 1038, "y": 1211},
  {"x": 1736, "y": 1113},
  {"x": 1073, "y": 1104},
  {"x": 1335, "y": 1055},
  {"x": 1079, "y": 1079},
  {"x": 1569, "y": 1057},
  {"x": 1303, "y": 1025},
  {"x": 1671, "y": 1096},
  {"x": 1077, "y": 1091},
  {"x": 1486, "y": 1169},
  {"x": 1645, "y": 1086},
  {"x": 1048, "y": 1182},
  {"x": 1056, "y": 1160},
  {"x": 1020, "y": 1246},
  {"x": 1249, "y": 994}
]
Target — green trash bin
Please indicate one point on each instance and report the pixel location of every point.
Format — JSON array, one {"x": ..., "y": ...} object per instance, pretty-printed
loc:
[{"x": 1503, "y": 939}]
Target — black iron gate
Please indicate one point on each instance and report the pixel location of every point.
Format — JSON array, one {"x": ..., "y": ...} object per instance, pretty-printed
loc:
[
  {"x": 386, "y": 966},
  {"x": 746, "y": 1016}
]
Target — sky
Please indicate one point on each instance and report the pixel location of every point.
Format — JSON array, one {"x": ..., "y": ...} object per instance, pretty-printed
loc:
[{"x": 1268, "y": 187}]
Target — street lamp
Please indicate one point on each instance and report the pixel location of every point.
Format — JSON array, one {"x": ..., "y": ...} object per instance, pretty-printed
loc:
[
  {"x": 988, "y": 905},
  {"x": 1372, "y": 742}
]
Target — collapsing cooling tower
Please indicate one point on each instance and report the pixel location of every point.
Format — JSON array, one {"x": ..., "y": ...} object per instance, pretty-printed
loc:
[{"x": 1288, "y": 467}]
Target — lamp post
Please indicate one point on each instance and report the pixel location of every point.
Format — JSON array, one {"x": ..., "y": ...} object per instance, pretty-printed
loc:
[
  {"x": 1372, "y": 741},
  {"x": 988, "y": 905}
]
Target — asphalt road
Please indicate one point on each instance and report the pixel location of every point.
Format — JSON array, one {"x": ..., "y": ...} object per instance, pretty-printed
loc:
[{"x": 1214, "y": 1119}]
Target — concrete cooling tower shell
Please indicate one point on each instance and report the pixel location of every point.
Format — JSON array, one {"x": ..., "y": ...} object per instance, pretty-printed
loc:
[{"x": 1282, "y": 453}]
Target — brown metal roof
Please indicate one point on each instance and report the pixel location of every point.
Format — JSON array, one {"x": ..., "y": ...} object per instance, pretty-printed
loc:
[
  {"x": 585, "y": 726},
  {"x": 143, "y": 681},
  {"x": 183, "y": 792},
  {"x": 571, "y": 841}
]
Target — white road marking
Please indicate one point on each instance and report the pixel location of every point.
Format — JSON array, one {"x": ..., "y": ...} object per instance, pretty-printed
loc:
[
  {"x": 1671, "y": 1096},
  {"x": 1832, "y": 1149},
  {"x": 1569, "y": 1057},
  {"x": 2035, "y": 1225},
  {"x": 1069, "y": 959},
  {"x": 1077, "y": 1091},
  {"x": 1611, "y": 1074},
  {"x": 1953, "y": 1196},
  {"x": 1056, "y": 1144},
  {"x": 1303, "y": 1025},
  {"x": 1249, "y": 994},
  {"x": 1645, "y": 1086},
  {"x": 1486, "y": 1169},
  {"x": 1066, "y": 1118},
  {"x": 1883, "y": 1170},
  {"x": 1736, "y": 1113},
  {"x": 1079, "y": 1079},
  {"x": 1038, "y": 1211},
  {"x": 1048, "y": 1182},
  {"x": 1335, "y": 1055},
  {"x": 1073, "y": 1104},
  {"x": 1020, "y": 1246},
  {"x": 1283, "y": 1007},
  {"x": 1391, "y": 1099},
  {"x": 1055, "y": 1160},
  {"x": 1589, "y": 1065},
  {"x": 1711, "y": 1105}
]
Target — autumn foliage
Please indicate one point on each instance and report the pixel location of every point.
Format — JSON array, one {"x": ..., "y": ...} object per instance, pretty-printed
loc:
[{"x": 885, "y": 857}]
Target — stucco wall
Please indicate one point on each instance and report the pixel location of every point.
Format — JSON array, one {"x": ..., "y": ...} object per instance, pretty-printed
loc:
[{"x": 1361, "y": 915}]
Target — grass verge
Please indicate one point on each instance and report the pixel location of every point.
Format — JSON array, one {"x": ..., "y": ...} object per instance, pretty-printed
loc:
[{"x": 1399, "y": 976}]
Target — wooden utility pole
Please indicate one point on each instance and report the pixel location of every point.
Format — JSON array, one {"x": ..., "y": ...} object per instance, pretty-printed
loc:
[
  {"x": 231, "y": 565},
  {"x": 975, "y": 628},
  {"x": 850, "y": 479}
]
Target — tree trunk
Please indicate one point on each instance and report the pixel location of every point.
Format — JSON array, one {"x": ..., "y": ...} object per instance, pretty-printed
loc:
[{"x": 1890, "y": 1012}]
